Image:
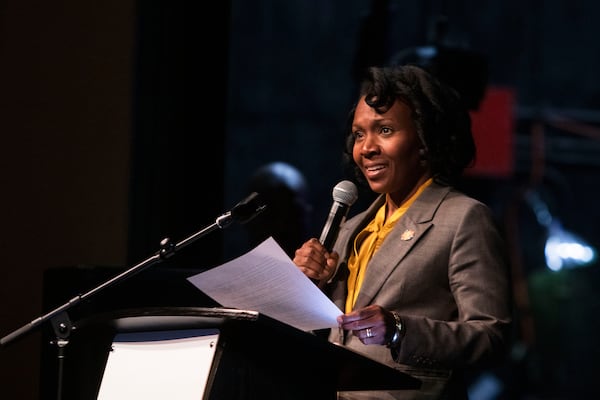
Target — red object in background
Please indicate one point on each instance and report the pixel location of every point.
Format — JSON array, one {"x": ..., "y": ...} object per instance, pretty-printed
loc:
[{"x": 493, "y": 130}]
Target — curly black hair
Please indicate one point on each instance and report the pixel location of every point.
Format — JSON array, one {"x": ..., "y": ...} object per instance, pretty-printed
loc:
[{"x": 441, "y": 119}]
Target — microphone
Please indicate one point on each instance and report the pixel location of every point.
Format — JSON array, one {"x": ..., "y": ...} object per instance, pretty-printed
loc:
[
  {"x": 243, "y": 211},
  {"x": 344, "y": 195},
  {"x": 248, "y": 208}
]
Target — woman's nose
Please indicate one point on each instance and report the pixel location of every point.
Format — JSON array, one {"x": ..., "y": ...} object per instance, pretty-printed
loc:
[{"x": 369, "y": 145}]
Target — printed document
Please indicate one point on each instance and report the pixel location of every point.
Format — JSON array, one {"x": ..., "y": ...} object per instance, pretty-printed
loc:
[{"x": 266, "y": 280}]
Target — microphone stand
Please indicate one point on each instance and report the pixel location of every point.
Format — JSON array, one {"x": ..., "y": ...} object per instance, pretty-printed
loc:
[{"x": 243, "y": 212}]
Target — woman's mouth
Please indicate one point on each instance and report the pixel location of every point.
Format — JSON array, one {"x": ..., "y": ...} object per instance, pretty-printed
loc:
[{"x": 374, "y": 171}]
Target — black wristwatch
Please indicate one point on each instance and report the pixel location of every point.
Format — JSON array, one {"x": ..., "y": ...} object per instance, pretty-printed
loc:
[{"x": 395, "y": 340}]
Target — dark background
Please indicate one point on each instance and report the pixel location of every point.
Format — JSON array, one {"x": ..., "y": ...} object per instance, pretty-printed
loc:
[{"x": 126, "y": 122}]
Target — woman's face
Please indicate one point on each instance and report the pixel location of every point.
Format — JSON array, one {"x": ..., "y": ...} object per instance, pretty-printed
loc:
[{"x": 386, "y": 149}]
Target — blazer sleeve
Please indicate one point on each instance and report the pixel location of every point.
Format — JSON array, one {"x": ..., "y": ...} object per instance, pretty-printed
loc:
[{"x": 479, "y": 282}]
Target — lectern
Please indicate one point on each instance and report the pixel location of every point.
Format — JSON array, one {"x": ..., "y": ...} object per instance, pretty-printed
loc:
[{"x": 211, "y": 354}]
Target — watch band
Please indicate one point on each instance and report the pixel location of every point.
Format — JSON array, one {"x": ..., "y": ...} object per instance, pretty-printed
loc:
[{"x": 395, "y": 340}]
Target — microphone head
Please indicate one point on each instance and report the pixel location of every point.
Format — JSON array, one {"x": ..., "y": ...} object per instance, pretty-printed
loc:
[
  {"x": 248, "y": 208},
  {"x": 345, "y": 192}
]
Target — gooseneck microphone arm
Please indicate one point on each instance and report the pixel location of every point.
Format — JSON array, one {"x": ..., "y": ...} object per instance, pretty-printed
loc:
[{"x": 243, "y": 212}]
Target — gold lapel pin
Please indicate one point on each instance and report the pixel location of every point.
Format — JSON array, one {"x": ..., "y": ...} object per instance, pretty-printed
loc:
[{"x": 407, "y": 234}]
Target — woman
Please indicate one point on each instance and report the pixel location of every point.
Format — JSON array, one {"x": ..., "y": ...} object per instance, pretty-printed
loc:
[{"x": 422, "y": 274}]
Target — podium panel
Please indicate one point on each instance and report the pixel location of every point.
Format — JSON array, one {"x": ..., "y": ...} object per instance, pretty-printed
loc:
[
  {"x": 159, "y": 365},
  {"x": 212, "y": 354}
]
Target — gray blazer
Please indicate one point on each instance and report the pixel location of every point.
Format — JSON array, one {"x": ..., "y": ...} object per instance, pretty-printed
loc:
[{"x": 444, "y": 269}]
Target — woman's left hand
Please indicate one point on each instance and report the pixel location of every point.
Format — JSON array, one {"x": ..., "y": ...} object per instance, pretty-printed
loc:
[{"x": 372, "y": 324}]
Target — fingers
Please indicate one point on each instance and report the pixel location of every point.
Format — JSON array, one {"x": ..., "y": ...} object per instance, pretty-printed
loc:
[
  {"x": 371, "y": 335},
  {"x": 367, "y": 324},
  {"x": 369, "y": 314},
  {"x": 314, "y": 260},
  {"x": 310, "y": 258}
]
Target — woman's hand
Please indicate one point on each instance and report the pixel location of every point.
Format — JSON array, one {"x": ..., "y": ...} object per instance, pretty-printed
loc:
[
  {"x": 372, "y": 324},
  {"x": 315, "y": 261}
]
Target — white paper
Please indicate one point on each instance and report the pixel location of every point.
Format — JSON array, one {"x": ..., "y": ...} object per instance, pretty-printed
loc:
[{"x": 266, "y": 280}]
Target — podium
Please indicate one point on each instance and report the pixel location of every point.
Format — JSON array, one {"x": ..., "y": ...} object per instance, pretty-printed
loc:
[{"x": 238, "y": 354}]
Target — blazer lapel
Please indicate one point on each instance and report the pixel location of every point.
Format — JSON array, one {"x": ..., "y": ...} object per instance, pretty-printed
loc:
[{"x": 408, "y": 230}]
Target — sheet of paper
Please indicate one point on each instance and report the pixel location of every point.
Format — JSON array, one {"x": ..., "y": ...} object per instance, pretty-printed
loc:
[{"x": 266, "y": 280}]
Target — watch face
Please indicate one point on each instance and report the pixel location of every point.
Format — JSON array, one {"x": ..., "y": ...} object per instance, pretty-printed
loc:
[{"x": 395, "y": 339}]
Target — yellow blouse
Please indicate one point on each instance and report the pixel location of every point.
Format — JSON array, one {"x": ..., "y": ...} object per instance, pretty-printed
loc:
[{"x": 368, "y": 241}]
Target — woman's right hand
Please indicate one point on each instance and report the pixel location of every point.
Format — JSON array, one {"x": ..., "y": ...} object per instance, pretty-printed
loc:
[{"x": 315, "y": 261}]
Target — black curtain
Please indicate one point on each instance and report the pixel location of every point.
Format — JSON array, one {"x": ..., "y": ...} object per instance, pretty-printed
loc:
[{"x": 180, "y": 89}]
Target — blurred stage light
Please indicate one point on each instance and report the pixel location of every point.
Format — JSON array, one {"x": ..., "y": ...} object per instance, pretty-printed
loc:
[{"x": 563, "y": 249}]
